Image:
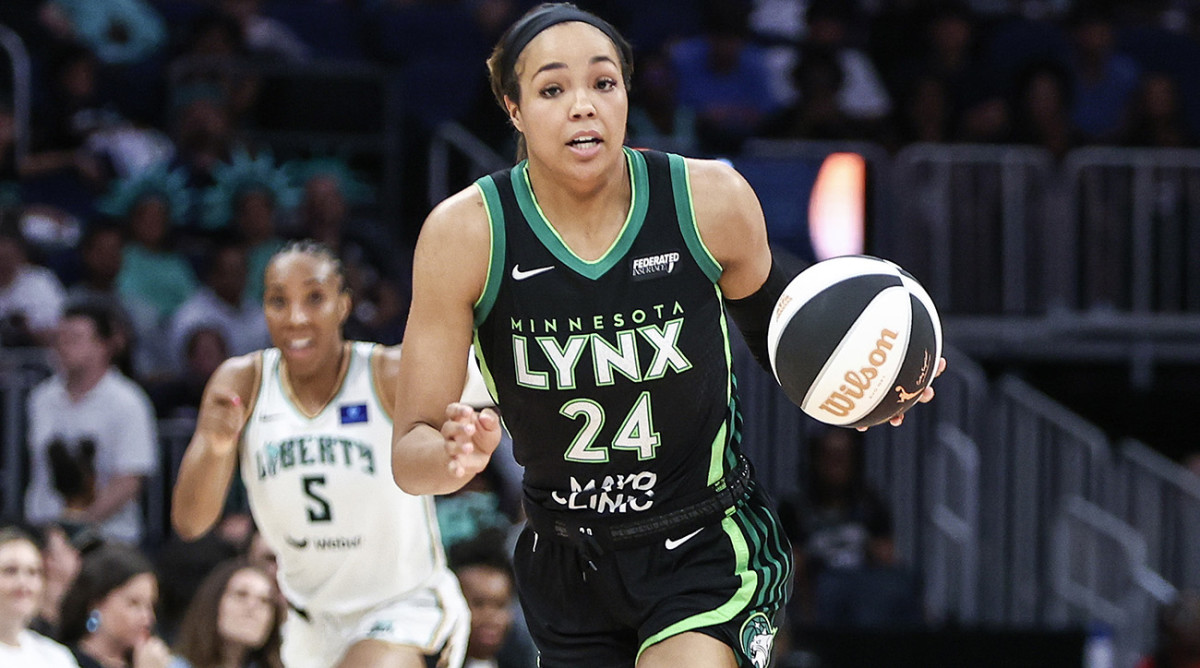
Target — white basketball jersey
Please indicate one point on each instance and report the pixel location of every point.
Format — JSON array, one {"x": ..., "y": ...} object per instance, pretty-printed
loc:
[{"x": 321, "y": 490}]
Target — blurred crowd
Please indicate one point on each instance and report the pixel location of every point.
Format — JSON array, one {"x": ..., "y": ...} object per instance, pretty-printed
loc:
[{"x": 138, "y": 208}]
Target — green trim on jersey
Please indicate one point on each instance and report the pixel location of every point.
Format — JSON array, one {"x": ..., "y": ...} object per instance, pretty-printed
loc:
[
  {"x": 484, "y": 369},
  {"x": 681, "y": 184},
  {"x": 495, "y": 272},
  {"x": 593, "y": 269},
  {"x": 720, "y": 449},
  {"x": 727, "y": 610}
]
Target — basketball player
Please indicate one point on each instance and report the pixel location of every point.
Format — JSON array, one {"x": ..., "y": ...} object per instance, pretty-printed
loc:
[
  {"x": 594, "y": 280},
  {"x": 309, "y": 422}
]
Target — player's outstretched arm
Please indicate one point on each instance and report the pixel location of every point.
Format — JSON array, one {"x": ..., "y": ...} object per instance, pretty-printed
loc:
[
  {"x": 211, "y": 455},
  {"x": 438, "y": 442}
]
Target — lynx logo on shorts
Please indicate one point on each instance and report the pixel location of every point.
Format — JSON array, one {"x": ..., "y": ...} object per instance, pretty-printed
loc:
[{"x": 758, "y": 636}]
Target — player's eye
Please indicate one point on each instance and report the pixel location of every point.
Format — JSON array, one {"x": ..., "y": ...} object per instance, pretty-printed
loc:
[{"x": 550, "y": 91}]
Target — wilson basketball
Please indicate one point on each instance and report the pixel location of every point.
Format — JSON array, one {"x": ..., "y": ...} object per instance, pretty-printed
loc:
[{"x": 854, "y": 340}]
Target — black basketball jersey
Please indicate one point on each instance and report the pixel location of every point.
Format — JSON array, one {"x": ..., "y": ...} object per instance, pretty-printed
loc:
[{"x": 614, "y": 376}]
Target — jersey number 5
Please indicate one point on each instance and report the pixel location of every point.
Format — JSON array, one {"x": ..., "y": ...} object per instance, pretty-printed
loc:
[{"x": 318, "y": 506}]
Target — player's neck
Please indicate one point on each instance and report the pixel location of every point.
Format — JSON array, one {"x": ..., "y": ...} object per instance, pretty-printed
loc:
[
  {"x": 313, "y": 392},
  {"x": 587, "y": 214}
]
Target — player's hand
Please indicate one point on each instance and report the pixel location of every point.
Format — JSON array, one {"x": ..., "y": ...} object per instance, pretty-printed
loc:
[
  {"x": 470, "y": 438},
  {"x": 222, "y": 416},
  {"x": 151, "y": 653},
  {"x": 926, "y": 397}
]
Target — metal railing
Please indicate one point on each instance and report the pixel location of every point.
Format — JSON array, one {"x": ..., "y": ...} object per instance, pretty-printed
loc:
[
  {"x": 451, "y": 141},
  {"x": 22, "y": 87}
]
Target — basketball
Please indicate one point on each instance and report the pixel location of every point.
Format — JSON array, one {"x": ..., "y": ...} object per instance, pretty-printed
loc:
[{"x": 854, "y": 340}]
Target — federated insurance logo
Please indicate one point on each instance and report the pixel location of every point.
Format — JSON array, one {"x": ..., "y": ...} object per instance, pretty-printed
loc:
[
  {"x": 758, "y": 636},
  {"x": 654, "y": 266}
]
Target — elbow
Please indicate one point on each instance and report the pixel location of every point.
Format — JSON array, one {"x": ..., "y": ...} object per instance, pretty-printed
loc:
[
  {"x": 188, "y": 528},
  {"x": 408, "y": 484},
  {"x": 186, "y": 531}
]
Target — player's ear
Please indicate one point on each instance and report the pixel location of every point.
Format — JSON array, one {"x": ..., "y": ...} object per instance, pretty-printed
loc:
[
  {"x": 514, "y": 113},
  {"x": 345, "y": 303}
]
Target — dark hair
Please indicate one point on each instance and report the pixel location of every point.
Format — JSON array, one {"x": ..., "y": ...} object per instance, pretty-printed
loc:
[
  {"x": 315, "y": 249},
  {"x": 9, "y": 534},
  {"x": 199, "y": 635},
  {"x": 501, "y": 64},
  {"x": 485, "y": 549},
  {"x": 95, "y": 231},
  {"x": 107, "y": 567},
  {"x": 98, "y": 311}
]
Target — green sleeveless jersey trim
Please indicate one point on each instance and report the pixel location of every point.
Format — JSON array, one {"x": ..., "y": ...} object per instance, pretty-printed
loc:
[
  {"x": 495, "y": 213},
  {"x": 681, "y": 185},
  {"x": 549, "y": 236}
]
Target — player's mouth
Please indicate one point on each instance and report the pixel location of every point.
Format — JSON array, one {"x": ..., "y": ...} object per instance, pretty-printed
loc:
[{"x": 585, "y": 143}]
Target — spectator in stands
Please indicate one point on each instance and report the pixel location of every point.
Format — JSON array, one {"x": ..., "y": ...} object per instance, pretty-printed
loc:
[
  {"x": 264, "y": 36},
  {"x": 117, "y": 31},
  {"x": 847, "y": 574},
  {"x": 1156, "y": 116},
  {"x": 656, "y": 119},
  {"x": 862, "y": 95},
  {"x": 101, "y": 253},
  {"x": 213, "y": 37},
  {"x": 108, "y": 614},
  {"x": 74, "y": 106},
  {"x": 203, "y": 129},
  {"x": 233, "y": 621},
  {"x": 183, "y": 566},
  {"x": 1178, "y": 643},
  {"x": 818, "y": 80},
  {"x": 152, "y": 204},
  {"x": 1041, "y": 109},
  {"x": 723, "y": 77},
  {"x": 100, "y": 427},
  {"x": 485, "y": 574},
  {"x": 220, "y": 303},
  {"x": 178, "y": 395},
  {"x": 1104, "y": 80},
  {"x": 10, "y": 180},
  {"x": 250, "y": 194},
  {"x": 377, "y": 267},
  {"x": 60, "y": 565},
  {"x": 22, "y": 581},
  {"x": 31, "y": 296}
]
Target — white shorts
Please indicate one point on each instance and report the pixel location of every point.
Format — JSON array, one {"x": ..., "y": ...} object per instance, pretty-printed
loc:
[{"x": 434, "y": 620}]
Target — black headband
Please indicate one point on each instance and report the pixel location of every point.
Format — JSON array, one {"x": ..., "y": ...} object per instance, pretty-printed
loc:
[{"x": 524, "y": 30}]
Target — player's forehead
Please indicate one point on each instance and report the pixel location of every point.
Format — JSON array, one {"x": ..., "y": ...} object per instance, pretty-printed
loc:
[
  {"x": 566, "y": 44},
  {"x": 300, "y": 269}
]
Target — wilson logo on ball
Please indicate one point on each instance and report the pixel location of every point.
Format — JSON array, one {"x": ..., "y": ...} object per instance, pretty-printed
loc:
[
  {"x": 853, "y": 340},
  {"x": 842, "y": 402}
]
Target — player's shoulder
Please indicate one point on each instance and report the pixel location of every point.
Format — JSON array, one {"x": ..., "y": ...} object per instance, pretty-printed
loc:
[
  {"x": 459, "y": 212},
  {"x": 713, "y": 177},
  {"x": 239, "y": 374},
  {"x": 385, "y": 368}
]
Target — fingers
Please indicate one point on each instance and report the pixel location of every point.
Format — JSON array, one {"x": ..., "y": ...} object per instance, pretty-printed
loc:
[{"x": 470, "y": 438}]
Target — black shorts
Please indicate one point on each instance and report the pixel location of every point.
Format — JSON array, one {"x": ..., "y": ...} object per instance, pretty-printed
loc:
[{"x": 588, "y": 606}]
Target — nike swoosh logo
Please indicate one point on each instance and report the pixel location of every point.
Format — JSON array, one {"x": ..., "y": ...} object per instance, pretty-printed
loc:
[
  {"x": 519, "y": 275},
  {"x": 672, "y": 544},
  {"x": 298, "y": 544}
]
